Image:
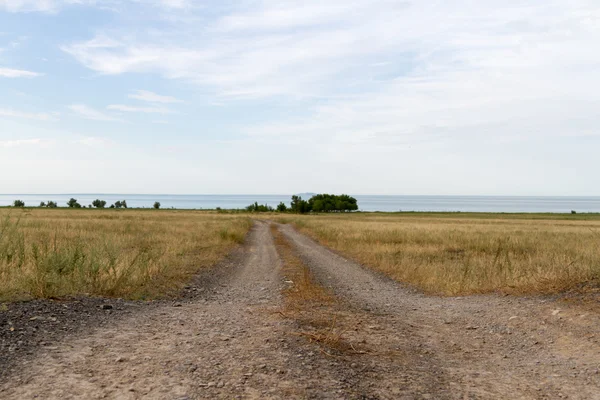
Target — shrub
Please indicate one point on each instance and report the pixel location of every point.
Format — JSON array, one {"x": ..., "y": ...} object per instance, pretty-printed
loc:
[
  {"x": 156, "y": 205},
  {"x": 259, "y": 208},
  {"x": 332, "y": 203},
  {"x": 51, "y": 204},
  {"x": 299, "y": 206},
  {"x": 99, "y": 203},
  {"x": 281, "y": 207},
  {"x": 18, "y": 203},
  {"x": 72, "y": 203},
  {"x": 42, "y": 204}
]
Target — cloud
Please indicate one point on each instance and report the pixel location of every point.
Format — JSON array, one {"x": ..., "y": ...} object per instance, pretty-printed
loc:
[
  {"x": 323, "y": 50},
  {"x": 48, "y": 117},
  {"x": 149, "y": 110},
  {"x": 23, "y": 142},
  {"x": 28, "y": 5},
  {"x": 95, "y": 142},
  {"x": 151, "y": 97},
  {"x": 17, "y": 73},
  {"x": 90, "y": 113},
  {"x": 363, "y": 78},
  {"x": 53, "y": 6}
]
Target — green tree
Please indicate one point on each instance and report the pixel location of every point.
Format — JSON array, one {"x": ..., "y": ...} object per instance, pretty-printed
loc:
[
  {"x": 72, "y": 203},
  {"x": 259, "y": 208},
  {"x": 282, "y": 207},
  {"x": 332, "y": 203},
  {"x": 99, "y": 203},
  {"x": 42, "y": 204},
  {"x": 299, "y": 206},
  {"x": 18, "y": 203},
  {"x": 156, "y": 205},
  {"x": 51, "y": 204}
]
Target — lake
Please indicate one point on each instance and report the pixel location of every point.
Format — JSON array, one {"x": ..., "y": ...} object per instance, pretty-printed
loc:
[{"x": 365, "y": 202}]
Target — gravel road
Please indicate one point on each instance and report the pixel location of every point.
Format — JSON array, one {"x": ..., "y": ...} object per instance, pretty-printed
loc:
[{"x": 233, "y": 342}]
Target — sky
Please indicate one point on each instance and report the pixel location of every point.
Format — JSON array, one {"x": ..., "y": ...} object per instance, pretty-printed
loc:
[{"x": 448, "y": 97}]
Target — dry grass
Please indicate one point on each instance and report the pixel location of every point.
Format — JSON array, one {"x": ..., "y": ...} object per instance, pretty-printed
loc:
[
  {"x": 321, "y": 318},
  {"x": 125, "y": 253},
  {"x": 453, "y": 254}
]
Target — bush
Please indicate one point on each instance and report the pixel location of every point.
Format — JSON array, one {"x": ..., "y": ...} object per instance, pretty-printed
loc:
[
  {"x": 281, "y": 207},
  {"x": 156, "y": 205},
  {"x": 332, "y": 203},
  {"x": 259, "y": 208},
  {"x": 18, "y": 203},
  {"x": 299, "y": 206},
  {"x": 99, "y": 203},
  {"x": 121, "y": 204},
  {"x": 42, "y": 204},
  {"x": 72, "y": 203},
  {"x": 51, "y": 204}
]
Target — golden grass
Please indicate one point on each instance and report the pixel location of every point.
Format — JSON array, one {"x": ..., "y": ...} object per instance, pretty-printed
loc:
[
  {"x": 317, "y": 312},
  {"x": 466, "y": 254},
  {"x": 47, "y": 253}
]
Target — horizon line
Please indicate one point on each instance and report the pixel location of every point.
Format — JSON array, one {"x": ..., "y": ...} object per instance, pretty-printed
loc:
[{"x": 290, "y": 194}]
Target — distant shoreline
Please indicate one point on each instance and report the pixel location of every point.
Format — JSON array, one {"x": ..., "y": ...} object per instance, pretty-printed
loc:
[{"x": 367, "y": 203}]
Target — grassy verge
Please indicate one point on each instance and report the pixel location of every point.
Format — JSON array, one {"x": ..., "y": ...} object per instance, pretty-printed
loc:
[
  {"x": 121, "y": 253},
  {"x": 453, "y": 254}
]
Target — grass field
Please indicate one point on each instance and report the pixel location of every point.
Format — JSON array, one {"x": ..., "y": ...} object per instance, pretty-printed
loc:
[
  {"x": 47, "y": 253},
  {"x": 457, "y": 254}
]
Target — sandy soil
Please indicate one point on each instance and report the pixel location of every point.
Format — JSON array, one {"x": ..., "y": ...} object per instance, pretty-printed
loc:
[{"x": 234, "y": 342}]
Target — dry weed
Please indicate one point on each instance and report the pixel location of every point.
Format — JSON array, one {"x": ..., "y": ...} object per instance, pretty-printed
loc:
[
  {"x": 456, "y": 255},
  {"x": 126, "y": 253}
]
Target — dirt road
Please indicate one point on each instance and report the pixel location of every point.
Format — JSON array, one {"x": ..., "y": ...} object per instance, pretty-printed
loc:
[{"x": 234, "y": 342}]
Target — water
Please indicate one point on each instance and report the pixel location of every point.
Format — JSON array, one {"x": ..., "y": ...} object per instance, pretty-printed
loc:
[{"x": 365, "y": 202}]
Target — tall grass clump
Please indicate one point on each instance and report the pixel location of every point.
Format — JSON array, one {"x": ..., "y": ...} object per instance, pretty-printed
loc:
[
  {"x": 137, "y": 254},
  {"x": 468, "y": 254}
]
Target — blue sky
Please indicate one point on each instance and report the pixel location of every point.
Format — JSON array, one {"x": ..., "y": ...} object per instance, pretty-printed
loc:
[{"x": 263, "y": 96}]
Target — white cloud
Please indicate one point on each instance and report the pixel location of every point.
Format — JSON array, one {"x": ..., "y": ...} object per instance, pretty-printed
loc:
[
  {"x": 53, "y": 6},
  {"x": 151, "y": 97},
  {"x": 17, "y": 73},
  {"x": 366, "y": 79},
  {"x": 28, "y": 5},
  {"x": 95, "y": 142},
  {"x": 149, "y": 110},
  {"x": 254, "y": 52},
  {"x": 48, "y": 117},
  {"x": 22, "y": 142},
  {"x": 90, "y": 113}
]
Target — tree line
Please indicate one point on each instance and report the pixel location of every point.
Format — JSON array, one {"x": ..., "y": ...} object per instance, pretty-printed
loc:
[
  {"x": 73, "y": 203},
  {"x": 317, "y": 203}
]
